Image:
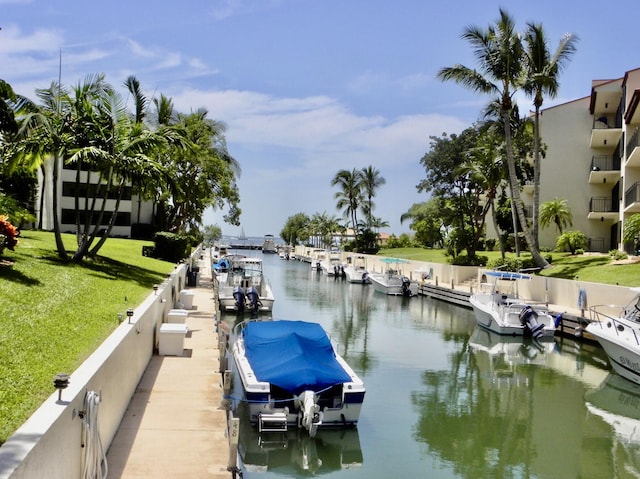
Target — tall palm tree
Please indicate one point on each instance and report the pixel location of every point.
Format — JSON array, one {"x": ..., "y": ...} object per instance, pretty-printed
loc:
[
  {"x": 556, "y": 211},
  {"x": 350, "y": 196},
  {"x": 371, "y": 180},
  {"x": 543, "y": 69},
  {"x": 499, "y": 52}
]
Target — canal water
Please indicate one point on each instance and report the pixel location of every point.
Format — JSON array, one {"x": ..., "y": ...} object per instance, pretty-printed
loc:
[{"x": 445, "y": 400}]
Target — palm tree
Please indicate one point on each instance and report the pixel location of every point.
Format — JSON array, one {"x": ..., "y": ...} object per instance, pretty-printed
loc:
[
  {"x": 350, "y": 196},
  {"x": 543, "y": 69},
  {"x": 556, "y": 211},
  {"x": 371, "y": 181},
  {"x": 44, "y": 141},
  {"x": 499, "y": 52}
]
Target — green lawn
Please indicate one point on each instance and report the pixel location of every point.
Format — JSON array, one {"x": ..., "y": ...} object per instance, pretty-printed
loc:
[
  {"x": 588, "y": 267},
  {"x": 56, "y": 314}
]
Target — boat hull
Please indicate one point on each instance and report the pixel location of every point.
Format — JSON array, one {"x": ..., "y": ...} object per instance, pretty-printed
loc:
[
  {"x": 622, "y": 349},
  {"x": 505, "y": 319},
  {"x": 393, "y": 286}
]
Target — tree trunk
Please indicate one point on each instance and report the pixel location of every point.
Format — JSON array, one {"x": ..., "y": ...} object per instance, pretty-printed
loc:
[
  {"x": 62, "y": 253},
  {"x": 536, "y": 176},
  {"x": 515, "y": 192}
]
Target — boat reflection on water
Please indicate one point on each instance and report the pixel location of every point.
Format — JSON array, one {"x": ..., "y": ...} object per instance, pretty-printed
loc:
[
  {"x": 295, "y": 452},
  {"x": 504, "y": 353},
  {"x": 617, "y": 402}
]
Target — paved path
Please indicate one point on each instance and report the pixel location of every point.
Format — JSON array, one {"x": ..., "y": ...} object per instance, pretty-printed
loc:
[{"x": 175, "y": 425}]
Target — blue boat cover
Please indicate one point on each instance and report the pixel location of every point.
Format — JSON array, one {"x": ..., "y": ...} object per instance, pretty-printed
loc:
[
  {"x": 294, "y": 355},
  {"x": 507, "y": 275}
]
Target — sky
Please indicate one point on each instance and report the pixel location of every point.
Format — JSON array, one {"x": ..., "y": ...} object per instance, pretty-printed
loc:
[{"x": 306, "y": 88}]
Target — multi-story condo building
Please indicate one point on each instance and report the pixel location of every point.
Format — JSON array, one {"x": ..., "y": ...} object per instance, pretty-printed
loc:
[
  {"x": 593, "y": 161},
  {"x": 131, "y": 210}
]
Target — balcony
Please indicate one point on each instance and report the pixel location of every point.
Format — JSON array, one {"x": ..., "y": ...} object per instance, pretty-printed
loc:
[
  {"x": 603, "y": 208},
  {"x": 632, "y": 199},
  {"x": 633, "y": 150},
  {"x": 604, "y": 169},
  {"x": 528, "y": 187},
  {"x": 606, "y": 132}
]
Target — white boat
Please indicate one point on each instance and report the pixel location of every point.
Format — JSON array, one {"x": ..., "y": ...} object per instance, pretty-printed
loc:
[
  {"x": 617, "y": 329},
  {"x": 245, "y": 288},
  {"x": 393, "y": 281},
  {"x": 316, "y": 257},
  {"x": 269, "y": 244},
  {"x": 331, "y": 264},
  {"x": 356, "y": 270},
  {"x": 292, "y": 376},
  {"x": 498, "y": 308}
]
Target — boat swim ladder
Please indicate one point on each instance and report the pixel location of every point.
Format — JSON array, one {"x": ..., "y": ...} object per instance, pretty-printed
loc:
[{"x": 310, "y": 416}]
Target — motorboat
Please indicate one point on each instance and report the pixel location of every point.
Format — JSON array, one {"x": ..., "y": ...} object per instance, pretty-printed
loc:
[
  {"x": 292, "y": 376},
  {"x": 356, "y": 270},
  {"x": 331, "y": 264},
  {"x": 392, "y": 281},
  {"x": 498, "y": 308},
  {"x": 617, "y": 329},
  {"x": 269, "y": 244},
  {"x": 245, "y": 288},
  {"x": 317, "y": 257}
]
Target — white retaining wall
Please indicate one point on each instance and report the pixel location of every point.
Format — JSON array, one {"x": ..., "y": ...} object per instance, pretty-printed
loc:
[{"x": 48, "y": 444}]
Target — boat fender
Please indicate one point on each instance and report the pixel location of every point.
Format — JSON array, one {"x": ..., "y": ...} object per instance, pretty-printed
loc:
[{"x": 558, "y": 320}]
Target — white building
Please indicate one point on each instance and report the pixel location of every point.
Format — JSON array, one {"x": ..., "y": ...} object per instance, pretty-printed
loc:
[
  {"x": 593, "y": 161},
  {"x": 130, "y": 211}
]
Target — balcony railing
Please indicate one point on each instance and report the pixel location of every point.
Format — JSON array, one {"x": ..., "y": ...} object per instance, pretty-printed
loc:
[
  {"x": 596, "y": 244},
  {"x": 603, "y": 204},
  {"x": 632, "y": 195},
  {"x": 634, "y": 141},
  {"x": 605, "y": 163}
]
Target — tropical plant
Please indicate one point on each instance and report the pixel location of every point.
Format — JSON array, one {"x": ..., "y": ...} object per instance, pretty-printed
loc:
[
  {"x": 371, "y": 180},
  {"x": 631, "y": 230},
  {"x": 572, "y": 241},
  {"x": 556, "y": 211},
  {"x": 349, "y": 197},
  {"x": 499, "y": 52},
  {"x": 543, "y": 69}
]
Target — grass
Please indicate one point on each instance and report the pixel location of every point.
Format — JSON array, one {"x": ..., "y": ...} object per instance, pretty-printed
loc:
[
  {"x": 57, "y": 313},
  {"x": 596, "y": 268}
]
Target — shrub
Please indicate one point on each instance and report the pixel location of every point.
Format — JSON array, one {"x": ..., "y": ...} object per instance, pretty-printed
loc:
[
  {"x": 618, "y": 255},
  {"x": 170, "y": 246},
  {"x": 8, "y": 234},
  {"x": 464, "y": 260},
  {"x": 572, "y": 241},
  {"x": 511, "y": 264}
]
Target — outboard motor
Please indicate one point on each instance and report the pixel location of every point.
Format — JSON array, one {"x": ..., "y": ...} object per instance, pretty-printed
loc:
[
  {"x": 406, "y": 287},
  {"x": 238, "y": 295},
  {"x": 529, "y": 319},
  {"x": 365, "y": 277},
  {"x": 254, "y": 299}
]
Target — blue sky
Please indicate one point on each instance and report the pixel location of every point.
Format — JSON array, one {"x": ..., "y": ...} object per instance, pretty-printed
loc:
[{"x": 305, "y": 87}]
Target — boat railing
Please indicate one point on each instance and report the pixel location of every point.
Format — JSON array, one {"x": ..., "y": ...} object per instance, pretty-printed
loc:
[{"x": 621, "y": 318}]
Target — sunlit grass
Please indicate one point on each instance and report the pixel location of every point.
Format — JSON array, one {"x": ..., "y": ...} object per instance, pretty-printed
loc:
[
  {"x": 56, "y": 314},
  {"x": 597, "y": 268}
]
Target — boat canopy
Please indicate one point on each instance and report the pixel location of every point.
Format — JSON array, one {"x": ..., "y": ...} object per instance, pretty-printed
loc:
[
  {"x": 293, "y": 355},
  {"x": 510, "y": 275}
]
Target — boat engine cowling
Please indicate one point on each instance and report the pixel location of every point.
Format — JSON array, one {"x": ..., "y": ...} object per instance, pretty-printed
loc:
[
  {"x": 254, "y": 299},
  {"x": 238, "y": 295},
  {"x": 406, "y": 286},
  {"x": 529, "y": 319}
]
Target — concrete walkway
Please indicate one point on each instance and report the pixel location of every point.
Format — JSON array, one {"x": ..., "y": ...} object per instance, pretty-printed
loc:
[{"x": 175, "y": 425}]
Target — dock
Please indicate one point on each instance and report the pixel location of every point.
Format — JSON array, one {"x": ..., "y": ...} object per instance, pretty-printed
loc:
[{"x": 176, "y": 423}]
